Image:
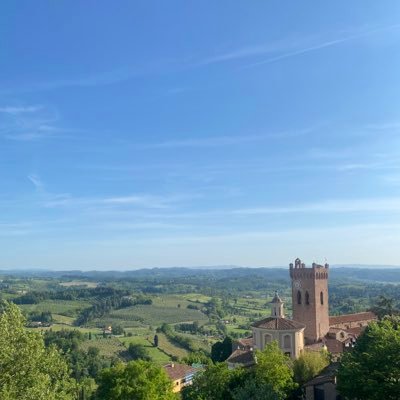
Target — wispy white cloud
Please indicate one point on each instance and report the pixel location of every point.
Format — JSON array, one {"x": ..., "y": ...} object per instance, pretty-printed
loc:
[
  {"x": 248, "y": 51},
  {"x": 36, "y": 181},
  {"x": 28, "y": 123},
  {"x": 384, "y": 126},
  {"x": 13, "y": 110},
  {"x": 125, "y": 202},
  {"x": 216, "y": 141},
  {"x": 332, "y": 206},
  {"x": 322, "y": 45},
  {"x": 101, "y": 78},
  {"x": 278, "y": 49}
]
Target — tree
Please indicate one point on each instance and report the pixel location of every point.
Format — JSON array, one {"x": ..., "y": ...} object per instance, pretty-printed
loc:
[
  {"x": 372, "y": 370},
  {"x": 138, "y": 352},
  {"x": 253, "y": 390},
  {"x": 220, "y": 351},
  {"x": 197, "y": 357},
  {"x": 385, "y": 306},
  {"x": 27, "y": 369},
  {"x": 309, "y": 364},
  {"x": 273, "y": 369},
  {"x": 117, "y": 330},
  {"x": 139, "y": 380},
  {"x": 216, "y": 383}
]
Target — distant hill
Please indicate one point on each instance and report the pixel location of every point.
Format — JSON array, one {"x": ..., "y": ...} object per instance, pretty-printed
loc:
[{"x": 364, "y": 273}]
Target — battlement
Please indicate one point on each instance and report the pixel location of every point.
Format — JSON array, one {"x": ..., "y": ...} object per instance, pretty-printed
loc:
[
  {"x": 299, "y": 264},
  {"x": 300, "y": 271}
]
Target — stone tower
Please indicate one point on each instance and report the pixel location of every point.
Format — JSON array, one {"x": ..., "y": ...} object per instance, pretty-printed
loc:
[
  {"x": 277, "y": 307},
  {"x": 310, "y": 299}
]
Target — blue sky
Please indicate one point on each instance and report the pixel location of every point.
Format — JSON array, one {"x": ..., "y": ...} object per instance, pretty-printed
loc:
[{"x": 185, "y": 133}]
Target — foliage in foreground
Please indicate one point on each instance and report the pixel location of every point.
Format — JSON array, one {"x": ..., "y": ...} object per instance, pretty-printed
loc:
[
  {"x": 270, "y": 379},
  {"x": 309, "y": 364},
  {"x": 139, "y": 380},
  {"x": 28, "y": 369},
  {"x": 372, "y": 370}
]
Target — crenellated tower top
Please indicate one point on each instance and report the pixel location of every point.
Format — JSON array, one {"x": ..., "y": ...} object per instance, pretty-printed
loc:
[{"x": 300, "y": 271}]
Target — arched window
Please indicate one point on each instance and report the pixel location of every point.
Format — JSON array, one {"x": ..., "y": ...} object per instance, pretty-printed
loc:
[
  {"x": 299, "y": 297},
  {"x": 287, "y": 343},
  {"x": 307, "y": 298},
  {"x": 267, "y": 338},
  {"x": 321, "y": 296}
]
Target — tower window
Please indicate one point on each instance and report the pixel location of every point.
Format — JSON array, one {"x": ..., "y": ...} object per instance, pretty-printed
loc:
[
  {"x": 299, "y": 297},
  {"x": 307, "y": 298},
  {"x": 321, "y": 295},
  {"x": 287, "y": 343}
]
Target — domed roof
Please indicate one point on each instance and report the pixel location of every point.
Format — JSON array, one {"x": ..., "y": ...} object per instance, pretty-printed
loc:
[{"x": 278, "y": 324}]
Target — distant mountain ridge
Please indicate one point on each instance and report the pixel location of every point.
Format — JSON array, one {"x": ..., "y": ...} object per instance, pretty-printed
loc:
[{"x": 342, "y": 273}]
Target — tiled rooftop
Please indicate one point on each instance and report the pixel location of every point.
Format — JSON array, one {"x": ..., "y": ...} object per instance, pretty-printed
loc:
[
  {"x": 178, "y": 371},
  {"x": 342, "y": 319},
  {"x": 278, "y": 324}
]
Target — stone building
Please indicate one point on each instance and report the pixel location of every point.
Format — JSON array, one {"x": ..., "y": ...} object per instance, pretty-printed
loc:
[
  {"x": 311, "y": 327},
  {"x": 310, "y": 298},
  {"x": 288, "y": 333}
]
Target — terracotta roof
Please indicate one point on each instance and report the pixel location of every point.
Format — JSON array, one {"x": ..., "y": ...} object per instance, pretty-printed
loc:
[
  {"x": 315, "y": 346},
  {"x": 341, "y": 319},
  {"x": 336, "y": 330},
  {"x": 328, "y": 374},
  {"x": 356, "y": 331},
  {"x": 178, "y": 371},
  {"x": 245, "y": 357},
  {"x": 246, "y": 342},
  {"x": 334, "y": 346},
  {"x": 280, "y": 324}
]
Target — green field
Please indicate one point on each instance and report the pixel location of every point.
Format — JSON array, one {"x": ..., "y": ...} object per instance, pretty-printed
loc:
[
  {"x": 226, "y": 305},
  {"x": 155, "y": 315},
  {"x": 63, "y": 307},
  {"x": 108, "y": 347}
]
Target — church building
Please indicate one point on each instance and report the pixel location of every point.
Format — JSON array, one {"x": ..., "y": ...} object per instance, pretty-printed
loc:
[
  {"x": 311, "y": 327},
  {"x": 289, "y": 334}
]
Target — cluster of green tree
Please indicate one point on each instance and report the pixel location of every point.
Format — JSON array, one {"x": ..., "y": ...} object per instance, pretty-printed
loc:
[
  {"x": 29, "y": 370},
  {"x": 359, "y": 296},
  {"x": 192, "y": 328},
  {"x": 138, "y": 352},
  {"x": 117, "y": 329},
  {"x": 372, "y": 370},
  {"x": 32, "y": 370},
  {"x": 211, "y": 282},
  {"x": 139, "y": 380},
  {"x": 273, "y": 377},
  {"x": 35, "y": 297},
  {"x": 105, "y": 304},
  {"x": 82, "y": 364},
  {"x": 220, "y": 351},
  {"x": 270, "y": 378},
  {"x": 386, "y": 306},
  {"x": 37, "y": 316},
  {"x": 182, "y": 341}
]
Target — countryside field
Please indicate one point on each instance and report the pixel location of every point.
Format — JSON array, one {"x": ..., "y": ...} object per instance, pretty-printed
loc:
[{"x": 188, "y": 313}]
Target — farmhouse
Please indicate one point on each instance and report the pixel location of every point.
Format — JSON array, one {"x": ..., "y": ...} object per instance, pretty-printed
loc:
[{"x": 181, "y": 375}]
